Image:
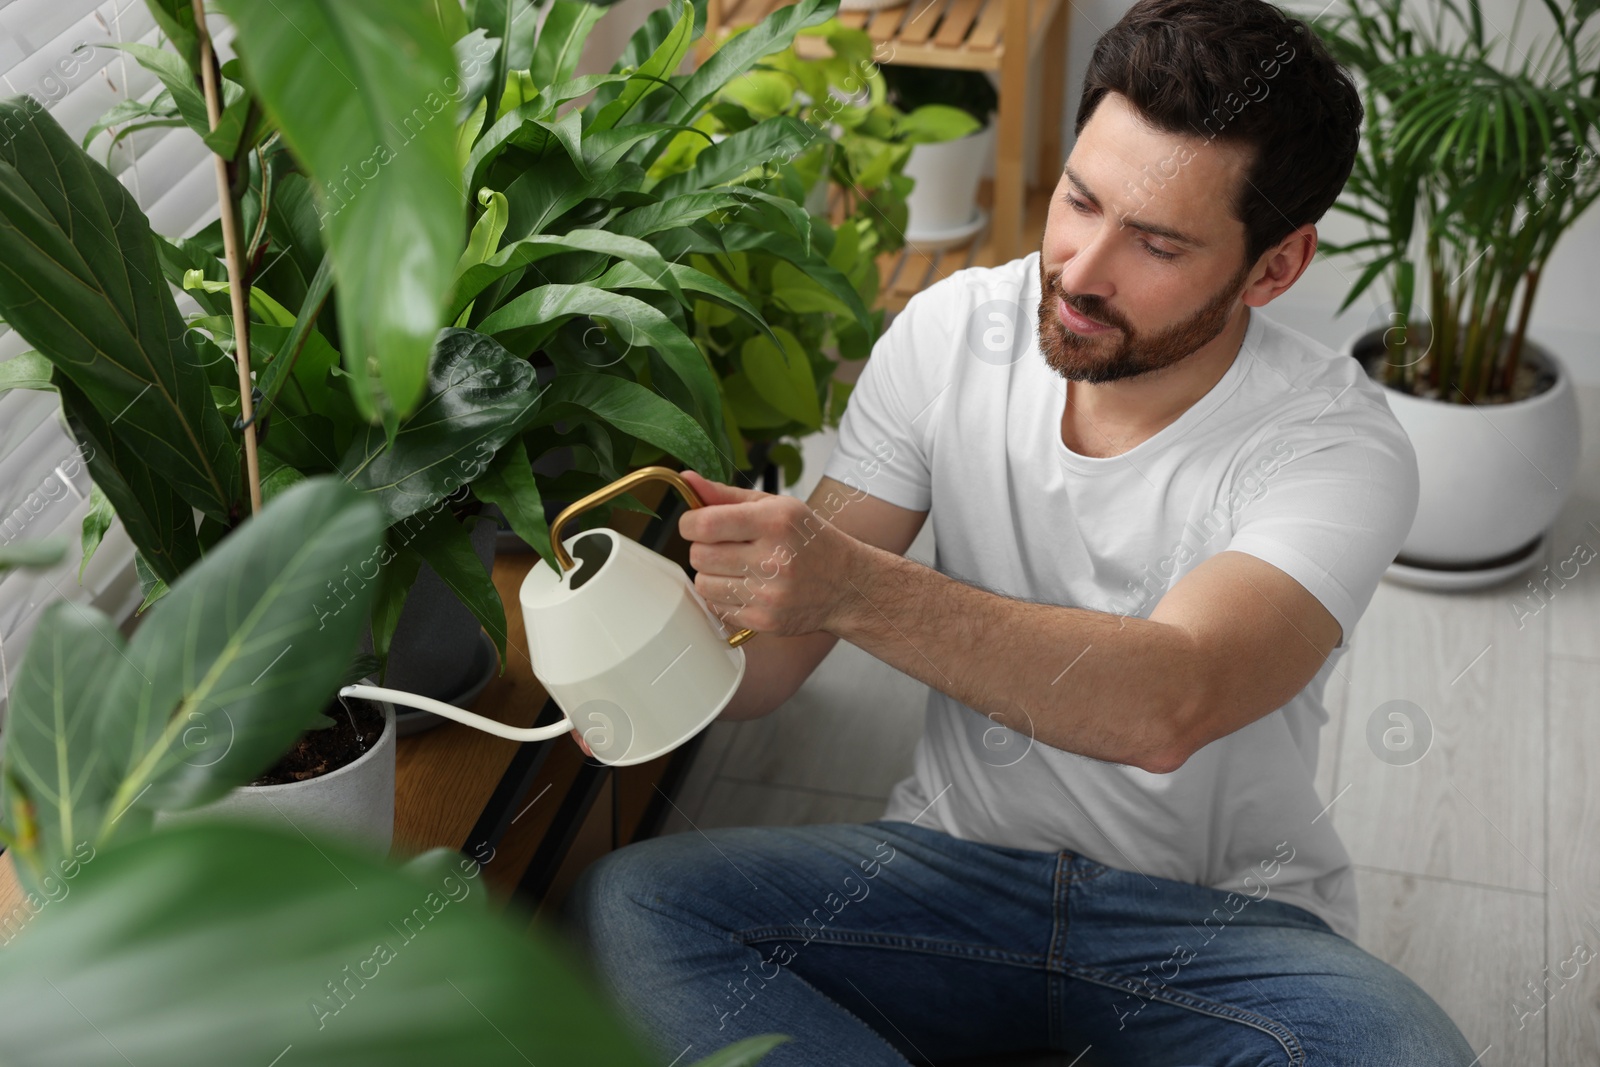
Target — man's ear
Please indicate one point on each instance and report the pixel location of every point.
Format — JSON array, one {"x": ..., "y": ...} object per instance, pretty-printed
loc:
[{"x": 1280, "y": 267}]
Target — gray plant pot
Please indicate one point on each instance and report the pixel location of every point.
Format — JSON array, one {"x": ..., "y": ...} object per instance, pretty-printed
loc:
[{"x": 355, "y": 802}]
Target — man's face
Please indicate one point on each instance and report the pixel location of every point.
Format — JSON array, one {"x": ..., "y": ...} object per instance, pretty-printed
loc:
[{"x": 1157, "y": 264}]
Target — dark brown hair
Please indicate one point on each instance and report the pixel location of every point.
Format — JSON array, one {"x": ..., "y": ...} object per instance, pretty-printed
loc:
[{"x": 1241, "y": 72}]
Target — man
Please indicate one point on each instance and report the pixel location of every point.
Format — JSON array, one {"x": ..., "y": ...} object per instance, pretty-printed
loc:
[{"x": 1158, "y": 517}]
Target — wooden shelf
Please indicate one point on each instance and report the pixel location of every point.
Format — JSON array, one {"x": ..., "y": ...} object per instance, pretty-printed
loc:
[{"x": 953, "y": 34}]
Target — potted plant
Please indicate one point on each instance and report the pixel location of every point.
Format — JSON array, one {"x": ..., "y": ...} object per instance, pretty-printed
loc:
[
  {"x": 1470, "y": 171},
  {"x": 558, "y": 262},
  {"x": 953, "y": 144},
  {"x": 335, "y": 974}
]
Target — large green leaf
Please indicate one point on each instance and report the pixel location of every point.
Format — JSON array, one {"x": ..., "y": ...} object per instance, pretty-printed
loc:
[
  {"x": 566, "y": 26},
  {"x": 159, "y": 522},
  {"x": 640, "y": 254},
  {"x": 782, "y": 376},
  {"x": 81, "y": 282},
  {"x": 362, "y": 92},
  {"x": 239, "y": 944},
  {"x": 637, "y": 411},
  {"x": 638, "y": 324},
  {"x": 738, "y": 153},
  {"x": 239, "y": 658},
  {"x": 478, "y": 397},
  {"x": 51, "y": 760}
]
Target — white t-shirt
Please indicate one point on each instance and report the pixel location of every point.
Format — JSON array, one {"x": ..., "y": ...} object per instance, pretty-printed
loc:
[{"x": 1293, "y": 456}]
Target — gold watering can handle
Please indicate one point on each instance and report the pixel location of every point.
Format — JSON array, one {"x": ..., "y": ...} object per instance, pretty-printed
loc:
[{"x": 615, "y": 489}]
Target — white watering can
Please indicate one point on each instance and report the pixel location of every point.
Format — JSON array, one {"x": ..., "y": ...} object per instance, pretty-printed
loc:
[{"x": 621, "y": 640}]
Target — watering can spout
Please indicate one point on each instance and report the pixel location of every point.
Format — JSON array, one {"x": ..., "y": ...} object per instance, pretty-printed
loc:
[{"x": 450, "y": 711}]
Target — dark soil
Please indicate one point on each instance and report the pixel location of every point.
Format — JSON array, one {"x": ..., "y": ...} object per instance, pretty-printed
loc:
[{"x": 357, "y": 725}]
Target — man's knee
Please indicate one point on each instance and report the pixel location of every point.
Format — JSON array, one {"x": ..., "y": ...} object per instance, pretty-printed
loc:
[{"x": 1389, "y": 1022}]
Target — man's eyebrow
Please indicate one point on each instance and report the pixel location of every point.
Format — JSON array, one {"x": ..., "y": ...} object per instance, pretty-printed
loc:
[{"x": 1128, "y": 220}]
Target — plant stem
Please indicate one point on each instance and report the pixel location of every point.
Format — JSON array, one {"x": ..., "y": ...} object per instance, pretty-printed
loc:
[
  {"x": 236, "y": 281},
  {"x": 1515, "y": 353}
]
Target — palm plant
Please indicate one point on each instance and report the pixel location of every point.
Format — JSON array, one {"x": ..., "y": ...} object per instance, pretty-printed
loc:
[{"x": 1483, "y": 162}]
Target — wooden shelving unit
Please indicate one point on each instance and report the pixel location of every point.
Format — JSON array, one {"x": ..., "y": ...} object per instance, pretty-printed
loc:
[{"x": 963, "y": 35}]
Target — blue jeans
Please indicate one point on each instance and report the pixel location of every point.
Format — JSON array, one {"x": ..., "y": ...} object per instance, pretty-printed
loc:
[{"x": 884, "y": 943}]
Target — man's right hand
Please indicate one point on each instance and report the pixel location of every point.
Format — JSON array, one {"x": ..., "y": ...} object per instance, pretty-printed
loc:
[{"x": 576, "y": 736}]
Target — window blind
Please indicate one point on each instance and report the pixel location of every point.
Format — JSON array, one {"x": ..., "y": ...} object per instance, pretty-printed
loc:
[{"x": 61, "y": 52}]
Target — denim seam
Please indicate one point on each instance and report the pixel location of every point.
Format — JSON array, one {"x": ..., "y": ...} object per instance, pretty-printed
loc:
[
  {"x": 1061, "y": 884},
  {"x": 1179, "y": 998},
  {"x": 891, "y": 941}
]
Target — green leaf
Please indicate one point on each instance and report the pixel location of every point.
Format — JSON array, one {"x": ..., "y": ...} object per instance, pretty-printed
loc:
[
  {"x": 675, "y": 212},
  {"x": 737, "y": 55},
  {"x": 51, "y": 761},
  {"x": 179, "y": 78},
  {"x": 478, "y": 397},
  {"x": 159, "y": 523},
  {"x": 566, "y": 26},
  {"x": 46, "y": 553},
  {"x": 269, "y": 944},
  {"x": 95, "y": 524},
  {"x": 519, "y": 254},
  {"x": 783, "y": 376},
  {"x": 239, "y": 658},
  {"x": 444, "y": 544},
  {"x": 369, "y": 85},
  {"x": 638, "y": 324},
  {"x": 394, "y": 585},
  {"x": 662, "y": 63},
  {"x": 745, "y": 1053},
  {"x": 176, "y": 19},
  {"x": 510, "y": 486},
  {"x": 766, "y": 142},
  {"x": 637, "y": 411},
  {"x": 935, "y": 122},
  {"x": 28, "y": 370},
  {"x": 80, "y": 281}
]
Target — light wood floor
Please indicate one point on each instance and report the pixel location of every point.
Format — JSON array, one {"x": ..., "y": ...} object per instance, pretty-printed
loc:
[{"x": 1477, "y": 866}]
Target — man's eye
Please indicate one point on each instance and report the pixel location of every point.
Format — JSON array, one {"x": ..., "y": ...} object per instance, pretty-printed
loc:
[
  {"x": 1154, "y": 251},
  {"x": 1077, "y": 205}
]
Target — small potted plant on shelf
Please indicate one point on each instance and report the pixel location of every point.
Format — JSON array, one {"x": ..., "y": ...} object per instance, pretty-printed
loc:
[
  {"x": 947, "y": 165},
  {"x": 1471, "y": 168}
]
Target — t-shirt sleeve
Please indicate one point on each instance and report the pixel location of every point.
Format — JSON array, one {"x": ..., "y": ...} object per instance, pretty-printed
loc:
[
  {"x": 885, "y": 442},
  {"x": 1330, "y": 502}
]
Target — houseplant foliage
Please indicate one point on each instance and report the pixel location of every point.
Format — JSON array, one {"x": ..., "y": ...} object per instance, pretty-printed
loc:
[
  {"x": 782, "y": 385},
  {"x": 565, "y": 298},
  {"x": 181, "y": 943},
  {"x": 222, "y": 943},
  {"x": 1483, "y": 162}
]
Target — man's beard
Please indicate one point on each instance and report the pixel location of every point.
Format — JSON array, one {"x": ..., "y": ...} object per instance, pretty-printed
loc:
[{"x": 1073, "y": 356}]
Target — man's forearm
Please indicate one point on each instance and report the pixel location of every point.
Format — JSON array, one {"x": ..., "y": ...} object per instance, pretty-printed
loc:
[{"x": 1105, "y": 686}]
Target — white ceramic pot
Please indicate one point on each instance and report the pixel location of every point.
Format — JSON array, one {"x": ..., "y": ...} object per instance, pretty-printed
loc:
[
  {"x": 1493, "y": 477},
  {"x": 355, "y": 802},
  {"x": 944, "y": 200}
]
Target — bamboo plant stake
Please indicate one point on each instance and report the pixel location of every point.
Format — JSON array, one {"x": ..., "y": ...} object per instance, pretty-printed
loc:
[{"x": 230, "y": 247}]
